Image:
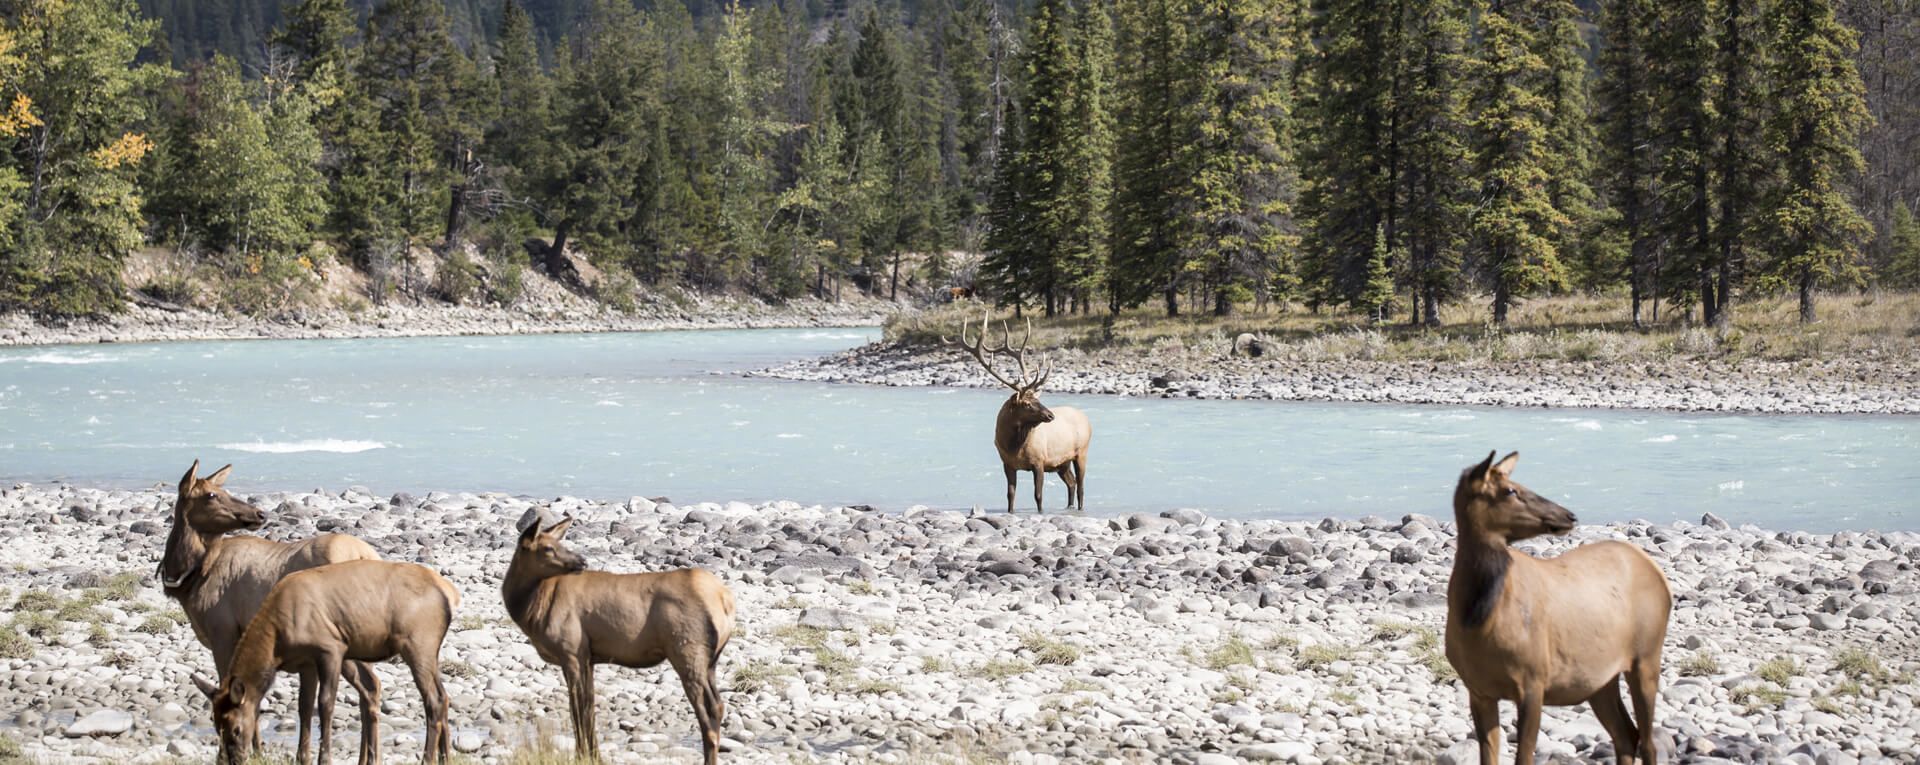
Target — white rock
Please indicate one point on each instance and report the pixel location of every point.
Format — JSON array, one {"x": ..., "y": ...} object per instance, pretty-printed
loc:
[{"x": 106, "y": 722}]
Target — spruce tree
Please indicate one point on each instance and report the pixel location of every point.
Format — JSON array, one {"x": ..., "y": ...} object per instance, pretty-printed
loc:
[
  {"x": 1903, "y": 263},
  {"x": 1153, "y": 195},
  {"x": 1244, "y": 185},
  {"x": 518, "y": 136},
  {"x": 1514, "y": 226},
  {"x": 1351, "y": 152},
  {"x": 604, "y": 101},
  {"x": 1740, "y": 169},
  {"x": 1377, "y": 294},
  {"x": 1685, "y": 79},
  {"x": 1814, "y": 131},
  {"x": 1570, "y": 132},
  {"x": 1626, "y": 117},
  {"x": 1433, "y": 179}
]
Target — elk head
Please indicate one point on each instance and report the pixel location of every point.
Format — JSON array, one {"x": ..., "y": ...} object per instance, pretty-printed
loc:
[
  {"x": 541, "y": 554},
  {"x": 1487, "y": 500},
  {"x": 236, "y": 722},
  {"x": 1024, "y": 405},
  {"x": 202, "y": 508}
]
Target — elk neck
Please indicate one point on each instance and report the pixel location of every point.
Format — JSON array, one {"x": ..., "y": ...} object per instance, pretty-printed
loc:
[
  {"x": 182, "y": 560},
  {"x": 1009, "y": 433},
  {"x": 1480, "y": 565},
  {"x": 253, "y": 664},
  {"x": 522, "y": 592}
]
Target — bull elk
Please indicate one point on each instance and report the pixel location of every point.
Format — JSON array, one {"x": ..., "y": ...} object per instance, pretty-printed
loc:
[
  {"x": 220, "y": 581},
  {"x": 577, "y": 618},
  {"x": 314, "y": 622},
  {"x": 1027, "y": 434},
  {"x": 1559, "y": 631}
]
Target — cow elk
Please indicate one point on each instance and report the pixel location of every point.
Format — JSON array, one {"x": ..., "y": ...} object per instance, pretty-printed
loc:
[
  {"x": 1558, "y": 631},
  {"x": 577, "y": 618},
  {"x": 220, "y": 581},
  {"x": 314, "y": 622},
  {"x": 1028, "y": 435}
]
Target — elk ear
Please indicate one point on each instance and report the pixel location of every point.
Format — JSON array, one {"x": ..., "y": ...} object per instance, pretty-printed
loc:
[
  {"x": 560, "y": 528},
  {"x": 1505, "y": 468},
  {"x": 206, "y": 686},
  {"x": 532, "y": 530},
  {"x": 186, "y": 481},
  {"x": 219, "y": 477},
  {"x": 1479, "y": 472}
]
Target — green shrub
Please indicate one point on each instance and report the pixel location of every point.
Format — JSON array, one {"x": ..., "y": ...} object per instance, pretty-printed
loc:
[
  {"x": 615, "y": 289},
  {"x": 458, "y": 278}
]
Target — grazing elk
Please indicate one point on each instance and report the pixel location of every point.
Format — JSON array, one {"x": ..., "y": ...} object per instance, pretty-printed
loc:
[
  {"x": 1028, "y": 435},
  {"x": 577, "y": 618},
  {"x": 220, "y": 581},
  {"x": 314, "y": 622},
  {"x": 1557, "y": 631}
]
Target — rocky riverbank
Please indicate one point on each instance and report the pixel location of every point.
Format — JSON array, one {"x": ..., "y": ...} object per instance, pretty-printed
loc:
[
  {"x": 934, "y": 636},
  {"x": 1852, "y": 384},
  {"x": 139, "y": 324}
]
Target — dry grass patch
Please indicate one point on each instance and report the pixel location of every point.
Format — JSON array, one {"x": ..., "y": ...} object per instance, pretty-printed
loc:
[
  {"x": 1233, "y": 651},
  {"x": 1046, "y": 650},
  {"x": 1001, "y": 669}
]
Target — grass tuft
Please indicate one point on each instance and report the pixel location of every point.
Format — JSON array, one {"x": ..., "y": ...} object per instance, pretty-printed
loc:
[
  {"x": 1001, "y": 669},
  {"x": 1859, "y": 663},
  {"x": 1700, "y": 665},
  {"x": 36, "y": 600},
  {"x": 758, "y": 675},
  {"x": 935, "y": 664},
  {"x": 1320, "y": 655},
  {"x": 1046, "y": 650},
  {"x": 1230, "y": 653},
  {"x": 1778, "y": 670},
  {"x": 13, "y": 646}
]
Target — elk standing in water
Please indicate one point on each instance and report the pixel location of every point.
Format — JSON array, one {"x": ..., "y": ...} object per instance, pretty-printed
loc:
[
  {"x": 577, "y": 618},
  {"x": 1557, "y": 631},
  {"x": 1027, "y": 434},
  {"x": 316, "y": 620},
  {"x": 220, "y": 581}
]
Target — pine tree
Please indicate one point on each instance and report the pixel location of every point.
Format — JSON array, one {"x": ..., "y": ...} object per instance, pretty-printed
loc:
[
  {"x": 746, "y": 137},
  {"x": 1433, "y": 179},
  {"x": 1087, "y": 234},
  {"x": 1686, "y": 80},
  {"x": 1626, "y": 118},
  {"x": 604, "y": 103},
  {"x": 517, "y": 138},
  {"x": 1570, "y": 132},
  {"x": 1514, "y": 226},
  {"x": 1818, "y": 115},
  {"x": 1351, "y": 152},
  {"x": 1048, "y": 225},
  {"x": 1245, "y": 182},
  {"x": 1153, "y": 199},
  {"x": 1740, "y": 171},
  {"x": 1377, "y": 295},
  {"x": 314, "y": 39},
  {"x": 71, "y": 146},
  {"x": 1903, "y": 263}
]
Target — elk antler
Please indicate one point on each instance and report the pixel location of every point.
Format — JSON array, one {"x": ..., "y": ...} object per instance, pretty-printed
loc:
[{"x": 980, "y": 349}]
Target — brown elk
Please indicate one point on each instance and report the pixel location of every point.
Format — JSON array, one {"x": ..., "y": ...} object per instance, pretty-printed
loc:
[
  {"x": 1558, "y": 631},
  {"x": 220, "y": 581},
  {"x": 316, "y": 620},
  {"x": 577, "y": 618},
  {"x": 1029, "y": 435}
]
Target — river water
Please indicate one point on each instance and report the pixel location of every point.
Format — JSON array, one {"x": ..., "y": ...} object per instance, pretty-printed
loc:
[{"x": 613, "y": 415}]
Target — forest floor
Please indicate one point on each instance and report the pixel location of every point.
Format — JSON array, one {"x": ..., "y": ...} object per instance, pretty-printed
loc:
[{"x": 1863, "y": 356}]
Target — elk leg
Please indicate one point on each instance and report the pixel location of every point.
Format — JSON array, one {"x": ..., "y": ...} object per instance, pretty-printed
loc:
[
  {"x": 1643, "y": 684},
  {"x": 1527, "y": 732},
  {"x": 579, "y": 676},
  {"x": 433, "y": 700},
  {"x": 1080, "y": 480},
  {"x": 367, "y": 684},
  {"x": 1013, "y": 482},
  {"x": 309, "y": 684},
  {"x": 1486, "y": 726},
  {"x": 1613, "y": 716},
  {"x": 1066, "y": 477},
  {"x": 698, "y": 683},
  {"x": 328, "y": 669},
  {"x": 1039, "y": 488}
]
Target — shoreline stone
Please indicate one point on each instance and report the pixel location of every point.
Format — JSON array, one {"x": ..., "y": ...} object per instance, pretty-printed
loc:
[{"x": 1130, "y": 639}]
